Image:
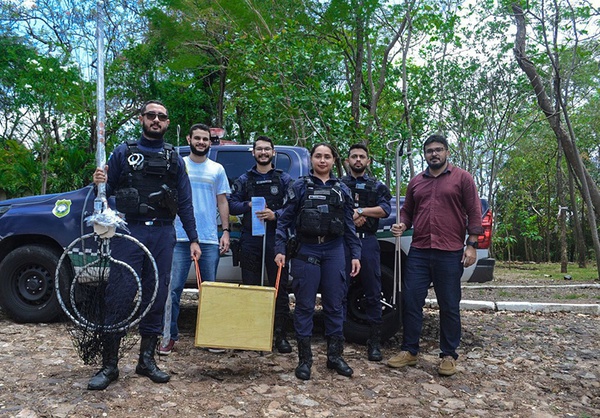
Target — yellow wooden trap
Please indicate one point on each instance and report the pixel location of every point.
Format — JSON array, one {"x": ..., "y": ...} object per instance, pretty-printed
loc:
[{"x": 235, "y": 316}]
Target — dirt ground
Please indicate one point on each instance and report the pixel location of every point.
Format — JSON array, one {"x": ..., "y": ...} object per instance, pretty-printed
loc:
[{"x": 510, "y": 365}]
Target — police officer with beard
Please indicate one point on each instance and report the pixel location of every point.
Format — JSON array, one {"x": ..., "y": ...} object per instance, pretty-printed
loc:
[
  {"x": 319, "y": 210},
  {"x": 272, "y": 184},
  {"x": 371, "y": 202},
  {"x": 151, "y": 186}
]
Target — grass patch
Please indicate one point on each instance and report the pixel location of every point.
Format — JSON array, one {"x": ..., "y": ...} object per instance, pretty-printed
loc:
[
  {"x": 546, "y": 271},
  {"x": 505, "y": 294},
  {"x": 570, "y": 296}
]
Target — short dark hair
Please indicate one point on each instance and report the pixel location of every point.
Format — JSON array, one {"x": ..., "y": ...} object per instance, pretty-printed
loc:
[
  {"x": 263, "y": 138},
  {"x": 436, "y": 138},
  {"x": 199, "y": 126},
  {"x": 359, "y": 145},
  {"x": 149, "y": 102}
]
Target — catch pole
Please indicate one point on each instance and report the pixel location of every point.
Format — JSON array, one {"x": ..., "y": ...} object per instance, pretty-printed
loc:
[{"x": 100, "y": 203}]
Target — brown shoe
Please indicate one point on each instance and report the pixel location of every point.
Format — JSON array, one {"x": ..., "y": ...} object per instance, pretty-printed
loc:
[
  {"x": 403, "y": 359},
  {"x": 447, "y": 366}
]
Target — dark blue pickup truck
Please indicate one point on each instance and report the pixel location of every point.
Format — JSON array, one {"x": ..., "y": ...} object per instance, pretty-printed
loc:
[{"x": 35, "y": 230}]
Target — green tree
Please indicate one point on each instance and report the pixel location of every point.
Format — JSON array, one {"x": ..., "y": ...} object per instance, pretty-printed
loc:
[{"x": 553, "y": 19}]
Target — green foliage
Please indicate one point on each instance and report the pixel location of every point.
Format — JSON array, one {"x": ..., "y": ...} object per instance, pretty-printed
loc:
[
  {"x": 70, "y": 168},
  {"x": 19, "y": 171},
  {"x": 304, "y": 72}
]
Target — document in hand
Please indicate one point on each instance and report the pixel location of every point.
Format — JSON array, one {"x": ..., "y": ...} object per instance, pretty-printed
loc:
[{"x": 258, "y": 226}]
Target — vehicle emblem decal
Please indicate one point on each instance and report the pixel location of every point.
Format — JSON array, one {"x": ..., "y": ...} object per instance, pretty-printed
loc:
[{"x": 61, "y": 208}]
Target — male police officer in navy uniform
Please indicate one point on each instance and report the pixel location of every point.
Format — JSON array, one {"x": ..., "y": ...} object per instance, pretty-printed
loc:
[
  {"x": 151, "y": 186},
  {"x": 272, "y": 184},
  {"x": 371, "y": 202}
]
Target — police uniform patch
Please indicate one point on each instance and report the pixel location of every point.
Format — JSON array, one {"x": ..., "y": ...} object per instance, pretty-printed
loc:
[
  {"x": 61, "y": 208},
  {"x": 291, "y": 194},
  {"x": 274, "y": 190}
]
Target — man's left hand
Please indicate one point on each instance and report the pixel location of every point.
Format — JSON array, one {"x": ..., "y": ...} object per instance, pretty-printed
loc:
[
  {"x": 265, "y": 215},
  {"x": 469, "y": 256},
  {"x": 224, "y": 243}
]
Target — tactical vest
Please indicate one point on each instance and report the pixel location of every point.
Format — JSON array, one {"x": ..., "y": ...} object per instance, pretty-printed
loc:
[
  {"x": 148, "y": 183},
  {"x": 321, "y": 211},
  {"x": 365, "y": 196},
  {"x": 271, "y": 189}
]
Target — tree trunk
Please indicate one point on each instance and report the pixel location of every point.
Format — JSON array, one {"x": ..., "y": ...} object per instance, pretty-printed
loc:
[
  {"x": 358, "y": 64},
  {"x": 562, "y": 213},
  {"x": 553, "y": 117},
  {"x": 577, "y": 229},
  {"x": 590, "y": 191},
  {"x": 220, "y": 120}
]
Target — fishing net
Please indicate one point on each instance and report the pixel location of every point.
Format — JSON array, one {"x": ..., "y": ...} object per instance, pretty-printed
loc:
[{"x": 103, "y": 296}]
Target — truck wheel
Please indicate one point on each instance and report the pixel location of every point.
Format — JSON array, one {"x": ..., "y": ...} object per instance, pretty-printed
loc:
[
  {"x": 27, "y": 284},
  {"x": 356, "y": 327}
]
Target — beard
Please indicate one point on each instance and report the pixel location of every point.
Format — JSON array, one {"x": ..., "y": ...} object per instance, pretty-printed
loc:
[
  {"x": 194, "y": 151},
  {"x": 437, "y": 165},
  {"x": 150, "y": 134},
  {"x": 358, "y": 171},
  {"x": 264, "y": 163}
]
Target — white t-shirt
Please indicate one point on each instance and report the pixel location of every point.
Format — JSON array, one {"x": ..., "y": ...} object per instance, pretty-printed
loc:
[{"x": 208, "y": 179}]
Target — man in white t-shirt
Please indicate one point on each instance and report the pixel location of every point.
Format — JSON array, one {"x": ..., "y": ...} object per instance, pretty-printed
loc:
[{"x": 210, "y": 188}]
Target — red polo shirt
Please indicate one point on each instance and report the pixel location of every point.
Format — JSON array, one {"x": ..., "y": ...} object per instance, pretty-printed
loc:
[{"x": 442, "y": 209}]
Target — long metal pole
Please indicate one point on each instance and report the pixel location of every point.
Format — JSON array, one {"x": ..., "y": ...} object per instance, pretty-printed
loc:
[
  {"x": 100, "y": 203},
  {"x": 398, "y": 246},
  {"x": 399, "y": 154}
]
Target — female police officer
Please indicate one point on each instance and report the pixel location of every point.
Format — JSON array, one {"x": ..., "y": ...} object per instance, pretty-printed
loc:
[{"x": 319, "y": 211}]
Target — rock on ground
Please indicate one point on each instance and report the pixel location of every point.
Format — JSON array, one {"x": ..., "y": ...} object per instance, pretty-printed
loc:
[{"x": 510, "y": 365}]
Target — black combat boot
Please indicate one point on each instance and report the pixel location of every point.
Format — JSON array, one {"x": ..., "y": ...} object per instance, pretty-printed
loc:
[
  {"x": 335, "y": 347},
  {"x": 110, "y": 359},
  {"x": 374, "y": 343},
  {"x": 305, "y": 359},
  {"x": 281, "y": 343},
  {"x": 146, "y": 365}
]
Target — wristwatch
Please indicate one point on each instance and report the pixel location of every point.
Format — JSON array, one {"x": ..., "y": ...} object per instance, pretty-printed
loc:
[
  {"x": 359, "y": 211},
  {"x": 226, "y": 229},
  {"x": 473, "y": 244}
]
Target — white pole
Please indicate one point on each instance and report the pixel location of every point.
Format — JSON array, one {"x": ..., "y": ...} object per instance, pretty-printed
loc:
[{"x": 100, "y": 203}]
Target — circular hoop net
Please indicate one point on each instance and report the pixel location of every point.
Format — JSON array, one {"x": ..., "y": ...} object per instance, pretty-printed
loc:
[{"x": 104, "y": 296}]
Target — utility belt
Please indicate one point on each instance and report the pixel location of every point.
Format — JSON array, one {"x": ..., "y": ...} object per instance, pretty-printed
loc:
[
  {"x": 320, "y": 239},
  {"x": 364, "y": 234},
  {"x": 150, "y": 222},
  {"x": 308, "y": 259}
]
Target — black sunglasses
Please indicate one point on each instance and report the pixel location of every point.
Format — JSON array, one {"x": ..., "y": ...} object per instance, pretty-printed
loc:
[{"x": 152, "y": 115}]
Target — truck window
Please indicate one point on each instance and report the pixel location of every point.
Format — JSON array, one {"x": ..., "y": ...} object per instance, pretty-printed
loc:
[
  {"x": 237, "y": 163},
  {"x": 283, "y": 162}
]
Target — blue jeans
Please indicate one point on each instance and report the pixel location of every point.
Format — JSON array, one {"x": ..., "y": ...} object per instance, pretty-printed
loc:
[
  {"x": 444, "y": 269},
  {"x": 209, "y": 262}
]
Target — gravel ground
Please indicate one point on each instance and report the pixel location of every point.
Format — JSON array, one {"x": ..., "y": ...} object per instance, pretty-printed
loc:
[{"x": 511, "y": 365}]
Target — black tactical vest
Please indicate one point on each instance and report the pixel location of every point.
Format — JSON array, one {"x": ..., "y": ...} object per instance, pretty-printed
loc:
[
  {"x": 271, "y": 189},
  {"x": 148, "y": 183},
  {"x": 365, "y": 196},
  {"x": 321, "y": 211}
]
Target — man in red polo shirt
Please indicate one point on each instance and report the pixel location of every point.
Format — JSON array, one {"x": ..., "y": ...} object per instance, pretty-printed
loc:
[{"x": 442, "y": 206}]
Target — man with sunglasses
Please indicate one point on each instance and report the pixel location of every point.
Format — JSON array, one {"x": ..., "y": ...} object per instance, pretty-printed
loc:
[
  {"x": 263, "y": 180},
  {"x": 151, "y": 186},
  {"x": 442, "y": 206}
]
